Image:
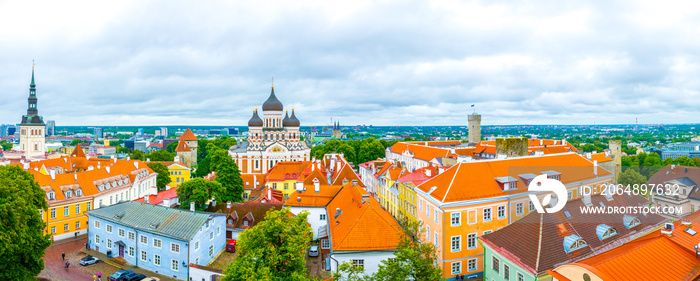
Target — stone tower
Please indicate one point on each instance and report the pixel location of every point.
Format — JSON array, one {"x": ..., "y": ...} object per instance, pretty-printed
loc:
[
  {"x": 187, "y": 148},
  {"x": 32, "y": 129},
  {"x": 474, "y": 128},
  {"x": 615, "y": 147}
]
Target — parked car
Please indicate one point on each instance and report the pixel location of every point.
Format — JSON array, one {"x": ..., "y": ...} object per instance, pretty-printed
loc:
[
  {"x": 119, "y": 274},
  {"x": 313, "y": 251},
  {"x": 132, "y": 277},
  {"x": 89, "y": 260},
  {"x": 231, "y": 246}
]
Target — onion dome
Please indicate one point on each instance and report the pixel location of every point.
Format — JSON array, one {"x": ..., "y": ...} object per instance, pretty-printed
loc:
[
  {"x": 285, "y": 121},
  {"x": 255, "y": 121},
  {"x": 272, "y": 103},
  {"x": 293, "y": 121}
]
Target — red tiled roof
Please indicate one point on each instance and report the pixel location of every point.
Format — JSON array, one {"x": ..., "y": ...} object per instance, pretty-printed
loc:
[
  {"x": 157, "y": 199},
  {"x": 287, "y": 170},
  {"x": 418, "y": 176}
]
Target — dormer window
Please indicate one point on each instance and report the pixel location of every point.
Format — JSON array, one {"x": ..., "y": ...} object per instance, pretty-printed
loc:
[
  {"x": 78, "y": 192},
  {"x": 69, "y": 193},
  {"x": 507, "y": 183},
  {"x": 605, "y": 231},
  {"x": 573, "y": 243},
  {"x": 631, "y": 221},
  {"x": 554, "y": 175},
  {"x": 51, "y": 195},
  {"x": 527, "y": 178}
]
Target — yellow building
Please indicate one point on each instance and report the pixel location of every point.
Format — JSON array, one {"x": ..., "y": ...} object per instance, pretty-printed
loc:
[
  {"x": 67, "y": 203},
  {"x": 388, "y": 188},
  {"x": 407, "y": 191},
  {"x": 285, "y": 175},
  {"x": 179, "y": 173}
]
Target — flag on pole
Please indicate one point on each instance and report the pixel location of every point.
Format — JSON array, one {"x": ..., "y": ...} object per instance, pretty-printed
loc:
[{"x": 472, "y": 105}]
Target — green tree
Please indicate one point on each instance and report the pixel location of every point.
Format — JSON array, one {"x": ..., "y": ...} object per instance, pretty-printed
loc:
[
  {"x": 228, "y": 175},
  {"x": 171, "y": 147},
  {"x": 273, "y": 249},
  {"x": 75, "y": 141},
  {"x": 4, "y": 145},
  {"x": 348, "y": 272},
  {"x": 161, "y": 155},
  {"x": 163, "y": 174},
  {"x": 137, "y": 155},
  {"x": 630, "y": 177},
  {"x": 22, "y": 242},
  {"x": 348, "y": 152},
  {"x": 197, "y": 191},
  {"x": 121, "y": 149}
]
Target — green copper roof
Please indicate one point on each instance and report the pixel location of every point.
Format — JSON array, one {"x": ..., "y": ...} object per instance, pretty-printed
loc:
[{"x": 32, "y": 84}]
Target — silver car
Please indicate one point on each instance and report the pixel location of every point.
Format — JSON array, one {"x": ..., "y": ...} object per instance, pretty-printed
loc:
[{"x": 313, "y": 251}]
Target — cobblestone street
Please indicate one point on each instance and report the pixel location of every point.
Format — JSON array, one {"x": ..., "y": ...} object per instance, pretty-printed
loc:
[{"x": 54, "y": 266}]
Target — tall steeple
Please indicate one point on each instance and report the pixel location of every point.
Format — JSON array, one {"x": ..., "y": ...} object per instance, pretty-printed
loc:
[
  {"x": 31, "y": 109},
  {"x": 32, "y": 117}
]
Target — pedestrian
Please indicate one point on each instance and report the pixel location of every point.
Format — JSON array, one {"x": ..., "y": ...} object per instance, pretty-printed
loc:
[
  {"x": 94, "y": 277},
  {"x": 67, "y": 264},
  {"x": 87, "y": 245},
  {"x": 63, "y": 256}
]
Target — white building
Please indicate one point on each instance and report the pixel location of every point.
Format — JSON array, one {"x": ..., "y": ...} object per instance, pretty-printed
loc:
[{"x": 271, "y": 139}]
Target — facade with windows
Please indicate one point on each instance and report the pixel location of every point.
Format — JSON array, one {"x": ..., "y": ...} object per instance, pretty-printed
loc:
[
  {"x": 156, "y": 238},
  {"x": 472, "y": 199}
]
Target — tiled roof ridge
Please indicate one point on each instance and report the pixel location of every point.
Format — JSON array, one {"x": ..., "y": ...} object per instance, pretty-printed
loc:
[{"x": 452, "y": 181}]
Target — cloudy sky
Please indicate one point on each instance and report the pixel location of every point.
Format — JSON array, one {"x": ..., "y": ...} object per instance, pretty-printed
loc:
[{"x": 362, "y": 62}]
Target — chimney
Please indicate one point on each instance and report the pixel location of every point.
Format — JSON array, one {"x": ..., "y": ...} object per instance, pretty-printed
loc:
[
  {"x": 128, "y": 157},
  {"x": 269, "y": 194},
  {"x": 588, "y": 155},
  {"x": 541, "y": 142},
  {"x": 148, "y": 160},
  {"x": 595, "y": 167},
  {"x": 115, "y": 159},
  {"x": 428, "y": 171},
  {"x": 365, "y": 198},
  {"x": 339, "y": 166},
  {"x": 76, "y": 176},
  {"x": 145, "y": 198},
  {"x": 328, "y": 175},
  {"x": 554, "y": 200},
  {"x": 136, "y": 164},
  {"x": 192, "y": 206},
  {"x": 167, "y": 187},
  {"x": 354, "y": 182},
  {"x": 91, "y": 167},
  {"x": 313, "y": 166},
  {"x": 52, "y": 173},
  {"x": 213, "y": 203},
  {"x": 255, "y": 182},
  {"x": 298, "y": 199},
  {"x": 228, "y": 205},
  {"x": 107, "y": 169},
  {"x": 563, "y": 141},
  {"x": 317, "y": 186},
  {"x": 587, "y": 199},
  {"x": 98, "y": 165}
]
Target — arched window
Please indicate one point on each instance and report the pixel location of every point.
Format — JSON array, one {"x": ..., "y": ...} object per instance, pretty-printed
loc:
[
  {"x": 68, "y": 193},
  {"x": 573, "y": 243},
  {"x": 605, "y": 231},
  {"x": 630, "y": 221}
]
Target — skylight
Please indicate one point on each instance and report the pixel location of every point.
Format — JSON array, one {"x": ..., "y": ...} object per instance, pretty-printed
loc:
[
  {"x": 567, "y": 214},
  {"x": 690, "y": 231},
  {"x": 601, "y": 204}
]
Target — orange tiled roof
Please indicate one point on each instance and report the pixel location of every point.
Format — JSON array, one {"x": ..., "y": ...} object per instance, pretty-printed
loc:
[
  {"x": 287, "y": 170},
  {"x": 78, "y": 151},
  {"x": 311, "y": 198},
  {"x": 475, "y": 180},
  {"x": 88, "y": 181},
  {"x": 425, "y": 153},
  {"x": 250, "y": 179},
  {"x": 601, "y": 157},
  {"x": 648, "y": 258},
  {"x": 182, "y": 147},
  {"x": 346, "y": 173},
  {"x": 361, "y": 227},
  {"x": 188, "y": 136}
]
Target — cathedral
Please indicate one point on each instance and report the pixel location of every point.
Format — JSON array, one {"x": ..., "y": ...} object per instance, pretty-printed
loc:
[
  {"x": 32, "y": 129},
  {"x": 272, "y": 138}
]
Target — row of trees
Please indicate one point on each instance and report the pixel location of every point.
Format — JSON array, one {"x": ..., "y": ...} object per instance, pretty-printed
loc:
[
  {"x": 275, "y": 248},
  {"x": 638, "y": 169},
  {"x": 355, "y": 151}
]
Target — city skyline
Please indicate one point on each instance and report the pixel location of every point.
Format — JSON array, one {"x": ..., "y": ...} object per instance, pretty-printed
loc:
[{"x": 136, "y": 64}]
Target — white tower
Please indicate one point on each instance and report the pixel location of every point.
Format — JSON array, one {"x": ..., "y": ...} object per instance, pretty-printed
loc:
[{"x": 32, "y": 129}]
